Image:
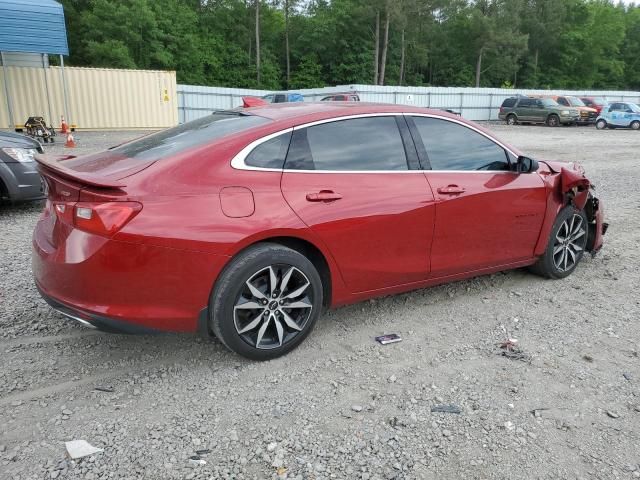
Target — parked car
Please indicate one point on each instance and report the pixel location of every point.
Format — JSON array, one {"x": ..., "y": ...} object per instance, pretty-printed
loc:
[
  {"x": 588, "y": 115},
  {"x": 341, "y": 97},
  {"x": 595, "y": 102},
  {"x": 248, "y": 224},
  {"x": 283, "y": 97},
  {"x": 619, "y": 114},
  {"x": 523, "y": 109},
  {"x": 19, "y": 177}
]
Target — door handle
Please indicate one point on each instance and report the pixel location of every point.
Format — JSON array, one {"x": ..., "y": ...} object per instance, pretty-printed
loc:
[
  {"x": 323, "y": 196},
  {"x": 451, "y": 190}
]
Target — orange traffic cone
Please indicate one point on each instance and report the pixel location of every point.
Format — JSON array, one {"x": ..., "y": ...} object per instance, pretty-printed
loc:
[
  {"x": 70, "y": 143},
  {"x": 64, "y": 128}
]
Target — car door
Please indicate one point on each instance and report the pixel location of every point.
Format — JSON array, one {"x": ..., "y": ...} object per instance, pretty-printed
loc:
[
  {"x": 486, "y": 213},
  {"x": 349, "y": 180},
  {"x": 616, "y": 114},
  {"x": 524, "y": 110}
]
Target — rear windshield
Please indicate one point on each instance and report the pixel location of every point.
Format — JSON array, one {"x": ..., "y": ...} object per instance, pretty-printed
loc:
[{"x": 188, "y": 135}]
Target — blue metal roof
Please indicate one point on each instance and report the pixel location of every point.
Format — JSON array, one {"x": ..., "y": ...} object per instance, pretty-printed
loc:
[{"x": 33, "y": 26}]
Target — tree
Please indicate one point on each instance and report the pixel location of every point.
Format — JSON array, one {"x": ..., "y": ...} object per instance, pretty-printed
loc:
[{"x": 258, "y": 41}]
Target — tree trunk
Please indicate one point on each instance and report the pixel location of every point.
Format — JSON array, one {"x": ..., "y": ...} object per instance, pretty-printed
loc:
[
  {"x": 258, "y": 40},
  {"x": 376, "y": 61},
  {"x": 286, "y": 39},
  {"x": 479, "y": 67},
  {"x": 402, "y": 60},
  {"x": 535, "y": 66},
  {"x": 385, "y": 46}
]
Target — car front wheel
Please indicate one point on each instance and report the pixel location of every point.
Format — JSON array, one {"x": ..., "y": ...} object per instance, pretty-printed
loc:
[
  {"x": 553, "y": 120},
  {"x": 266, "y": 301},
  {"x": 635, "y": 125},
  {"x": 566, "y": 245}
]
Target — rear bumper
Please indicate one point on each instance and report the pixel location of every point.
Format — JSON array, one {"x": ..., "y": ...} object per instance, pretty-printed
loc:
[
  {"x": 121, "y": 286},
  {"x": 93, "y": 320}
]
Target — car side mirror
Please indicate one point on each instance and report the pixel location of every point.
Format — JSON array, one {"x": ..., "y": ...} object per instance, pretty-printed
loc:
[{"x": 526, "y": 165}]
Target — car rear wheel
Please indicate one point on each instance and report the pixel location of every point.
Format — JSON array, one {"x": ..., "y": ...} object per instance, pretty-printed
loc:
[
  {"x": 635, "y": 125},
  {"x": 566, "y": 245},
  {"x": 553, "y": 120},
  {"x": 601, "y": 124},
  {"x": 511, "y": 119},
  {"x": 266, "y": 301}
]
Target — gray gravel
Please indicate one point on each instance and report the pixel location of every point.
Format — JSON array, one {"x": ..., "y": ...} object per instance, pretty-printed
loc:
[{"x": 341, "y": 405}]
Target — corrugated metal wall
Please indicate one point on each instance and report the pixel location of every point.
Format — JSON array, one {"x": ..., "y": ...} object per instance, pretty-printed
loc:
[
  {"x": 98, "y": 98},
  {"x": 472, "y": 103}
]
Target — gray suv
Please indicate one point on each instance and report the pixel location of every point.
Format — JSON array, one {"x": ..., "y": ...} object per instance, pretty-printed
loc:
[
  {"x": 19, "y": 177},
  {"x": 523, "y": 109}
]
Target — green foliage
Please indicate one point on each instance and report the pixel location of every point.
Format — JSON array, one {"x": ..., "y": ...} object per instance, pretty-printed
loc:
[{"x": 515, "y": 43}]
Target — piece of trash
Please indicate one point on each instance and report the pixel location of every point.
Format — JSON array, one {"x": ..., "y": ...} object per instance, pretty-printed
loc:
[
  {"x": 204, "y": 451},
  {"x": 537, "y": 412},
  {"x": 627, "y": 376},
  {"x": 446, "y": 409},
  {"x": 356, "y": 408},
  {"x": 509, "y": 348},
  {"x": 613, "y": 414},
  {"x": 281, "y": 471},
  {"x": 81, "y": 448},
  {"x": 196, "y": 461},
  {"x": 388, "y": 338},
  {"x": 511, "y": 344},
  {"x": 587, "y": 358},
  {"x": 104, "y": 388}
]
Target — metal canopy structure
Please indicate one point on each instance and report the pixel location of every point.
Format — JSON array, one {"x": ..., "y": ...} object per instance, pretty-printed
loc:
[{"x": 33, "y": 26}]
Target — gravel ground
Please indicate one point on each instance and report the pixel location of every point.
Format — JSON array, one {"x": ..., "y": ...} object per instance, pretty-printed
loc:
[{"x": 342, "y": 406}]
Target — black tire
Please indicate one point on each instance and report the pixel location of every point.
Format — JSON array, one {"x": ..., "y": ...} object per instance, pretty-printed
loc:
[
  {"x": 232, "y": 290},
  {"x": 546, "y": 265},
  {"x": 601, "y": 124},
  {"x": 511, "y": 119},
  {"x": 635, "y": 125},
  {"x": 553, "y": 120}
]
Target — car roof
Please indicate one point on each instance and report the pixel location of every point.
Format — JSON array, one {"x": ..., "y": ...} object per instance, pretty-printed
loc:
[{"x": 303, "y": 112}]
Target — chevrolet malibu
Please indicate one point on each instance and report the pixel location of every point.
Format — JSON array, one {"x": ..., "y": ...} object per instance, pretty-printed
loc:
[{"x": 247, "y": 224}]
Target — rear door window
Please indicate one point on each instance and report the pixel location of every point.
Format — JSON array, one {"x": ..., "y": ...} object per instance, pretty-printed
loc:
[
  {"x": 189, "y": 135},
  {"x": 359, "y": 144},
  {"x": 525, "y": 102},
  {"x": 451, "y": 146}
]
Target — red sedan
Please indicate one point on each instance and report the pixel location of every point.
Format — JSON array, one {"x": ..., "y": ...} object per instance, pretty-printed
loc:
[{"x": 247, "y": 224}]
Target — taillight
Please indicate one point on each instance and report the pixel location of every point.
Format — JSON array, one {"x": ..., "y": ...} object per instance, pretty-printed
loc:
[{"x": 104, "y": 218}]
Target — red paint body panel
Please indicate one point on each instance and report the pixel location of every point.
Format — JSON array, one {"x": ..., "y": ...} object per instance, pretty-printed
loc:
[
  {"x": 387, "y": 233},
  {"x": 361, "y": 229},
  {"x": 496, "y": 219}
]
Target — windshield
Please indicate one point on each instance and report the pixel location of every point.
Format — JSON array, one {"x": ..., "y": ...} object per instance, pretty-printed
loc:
[
  {"x": 634, "y": 107},
  {"x": 549, "y": 102},
  {"x": 575, "y": 102},
  {"x": 191, "y": 134}
]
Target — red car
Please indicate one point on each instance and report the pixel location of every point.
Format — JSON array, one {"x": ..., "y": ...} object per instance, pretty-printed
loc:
[
  {"x": 247, "y": 224},
  {"x": 595, "y": 102}
]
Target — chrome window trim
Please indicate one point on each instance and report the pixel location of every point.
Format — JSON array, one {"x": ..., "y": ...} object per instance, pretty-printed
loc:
[{"x": 238, "y": 161}]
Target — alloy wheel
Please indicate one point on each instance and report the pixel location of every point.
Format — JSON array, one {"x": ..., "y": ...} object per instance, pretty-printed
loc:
[
  {"x": 569, "y": 244},
  {"x": 273, "y": 306}
]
